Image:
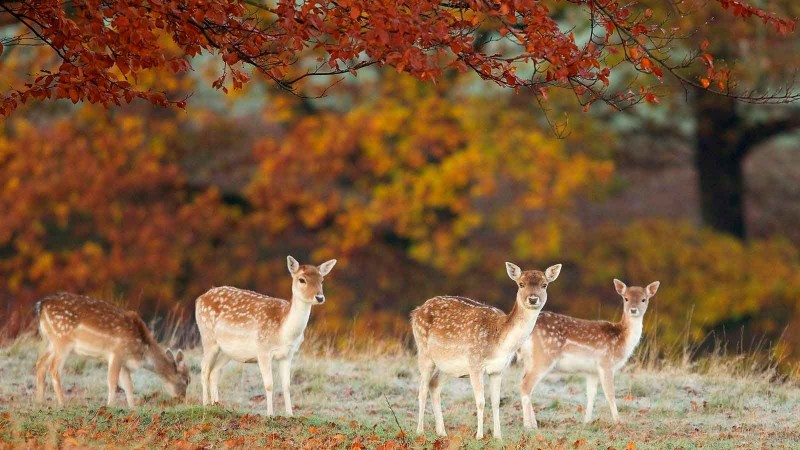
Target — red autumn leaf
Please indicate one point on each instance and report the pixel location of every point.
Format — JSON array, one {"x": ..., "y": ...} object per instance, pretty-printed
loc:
[{"x": 422, "y": 38}]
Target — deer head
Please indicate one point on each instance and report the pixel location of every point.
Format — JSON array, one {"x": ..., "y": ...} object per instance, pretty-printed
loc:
[
  {"x": 532, "y": 284},
  {"x": 307, "y": 280},
  {"x": 176, "y": 377},
  {"x": 635, "y": 298}
]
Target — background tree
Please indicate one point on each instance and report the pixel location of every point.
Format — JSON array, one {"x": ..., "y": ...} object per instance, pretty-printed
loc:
[
  {"x": 98, "y": 204},
  {"x": 728, "y": 131}
]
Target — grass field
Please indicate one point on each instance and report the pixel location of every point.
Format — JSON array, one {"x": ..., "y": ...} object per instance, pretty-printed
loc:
[{"x": 367, "y": 399}]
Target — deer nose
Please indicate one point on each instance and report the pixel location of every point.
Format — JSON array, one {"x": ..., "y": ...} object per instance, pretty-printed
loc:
[
  {"x": 533, "y": 300},
  {"x": 634, "y": 310},
  {"x": 320, "y": 298}
]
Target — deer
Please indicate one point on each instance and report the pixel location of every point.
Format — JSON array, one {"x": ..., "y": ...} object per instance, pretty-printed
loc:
[
  {"x": 98, "y": 329},
  {"x": 594, "y": 348},
  {"x": 462, "y": 337},
  {"x": 249, "y": 327}
]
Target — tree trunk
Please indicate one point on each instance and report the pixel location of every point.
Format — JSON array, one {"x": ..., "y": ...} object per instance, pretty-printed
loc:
[{"x": 718, "y": 158}]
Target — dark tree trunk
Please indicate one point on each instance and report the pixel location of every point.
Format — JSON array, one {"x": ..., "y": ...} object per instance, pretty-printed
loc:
[{"x": 718, "y": 158}]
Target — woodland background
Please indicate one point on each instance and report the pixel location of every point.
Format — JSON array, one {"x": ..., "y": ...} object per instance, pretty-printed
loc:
[{"x": 418, "y": 188}]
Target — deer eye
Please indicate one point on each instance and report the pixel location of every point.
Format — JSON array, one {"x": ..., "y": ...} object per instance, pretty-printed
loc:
[
  {"x": 302, "y": 281},
  {"x": 625, "y": 299},
  {"x": 644, "y": 300},
  {"x": 544, "y": 286},
  {"x": 522, "y": 285}
]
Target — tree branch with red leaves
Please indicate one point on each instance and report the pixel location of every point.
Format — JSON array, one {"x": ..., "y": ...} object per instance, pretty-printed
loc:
[{"x": 100, "y": 47}]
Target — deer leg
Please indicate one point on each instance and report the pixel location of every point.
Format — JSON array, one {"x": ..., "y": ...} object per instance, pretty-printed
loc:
[
  {"x": 41, "y": 372},
  {"x": 607, "y": 381},
  {"x": 265, "y": 364},
  {"x": 214, "y": 375},
  {"x": 476, "y": 379},
  {"x": 435, "y": 386},
  {"x": 127, "y": 385},
  {"x": 210, "y": 353},
  {"x": 56, "y": 363},
  {"x": 533, "y": 375},
  {"x": 114, "y": 367},
  {"x": 426, "y": 368},
  {"x": 591, "y": 393},
  {"x": 494, "y": 391},
  {"x": 285, "y": 368}
]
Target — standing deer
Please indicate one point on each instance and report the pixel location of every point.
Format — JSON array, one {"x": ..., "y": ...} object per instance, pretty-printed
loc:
[
  {"x": 595, "y": 348},
  {"x": 462, "y": 337},
  {"x": 98, "y": 329},
  {"x": 248, "y": 327}
]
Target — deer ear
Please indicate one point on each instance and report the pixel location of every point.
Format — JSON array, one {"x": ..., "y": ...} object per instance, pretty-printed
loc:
[
  {"x": 170, "y": 356},
  {"x": 325, "y": 268},
  {"x": 652, "y": 288},
  {"x": 179, "y": 357},
  {"x": 620, "y": 286},
  {"x": 292, "y": 264},
  {"x": 513, "y": 271},
  {"x": 551, "y": 273}
]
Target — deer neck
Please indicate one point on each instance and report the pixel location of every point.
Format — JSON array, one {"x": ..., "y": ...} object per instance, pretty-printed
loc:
[
  {"x": 296, "y": 319},
  {"x": 516, "y": 328},
  {"x": 631, "y": 334}
]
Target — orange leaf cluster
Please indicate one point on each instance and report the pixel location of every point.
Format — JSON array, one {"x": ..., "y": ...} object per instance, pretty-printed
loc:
[{"x": 99, "y": 48}]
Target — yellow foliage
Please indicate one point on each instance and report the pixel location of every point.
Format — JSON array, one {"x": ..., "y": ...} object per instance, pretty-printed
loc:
[
  {"x": 423, "y": 167},
  {"x": 709, "y": 281}
]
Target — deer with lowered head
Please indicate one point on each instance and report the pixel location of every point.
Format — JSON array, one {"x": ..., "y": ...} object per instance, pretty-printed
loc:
[
  {"x": 248, "y": 327},
  {"x": 464, "y": 338},
  {"x": 95, "y": 328},
  {"x": 594, "y": 348}
]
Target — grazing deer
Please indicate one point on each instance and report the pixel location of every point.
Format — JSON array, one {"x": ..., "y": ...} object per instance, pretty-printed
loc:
[
  {"x": 462, "y": 337},
  {"x": 248, "y": 327},
  {"x": 595, "y": 348},
  {"x": 98, "y": 329}
]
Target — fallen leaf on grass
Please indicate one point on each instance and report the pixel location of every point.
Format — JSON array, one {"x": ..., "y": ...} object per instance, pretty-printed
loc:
[
  {"x": 441, "y": 443},
  {"x": 389, "y": 445},
  {"x": 182, "y": 444}
]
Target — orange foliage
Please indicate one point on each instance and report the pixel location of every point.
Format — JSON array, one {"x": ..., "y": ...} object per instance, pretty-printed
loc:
[
  {"x": 431, "y": 171},
  {"x": 98, "y": 203},
  {"x": 419, "y": 190},
  {"x": 98, "y": 49}
]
